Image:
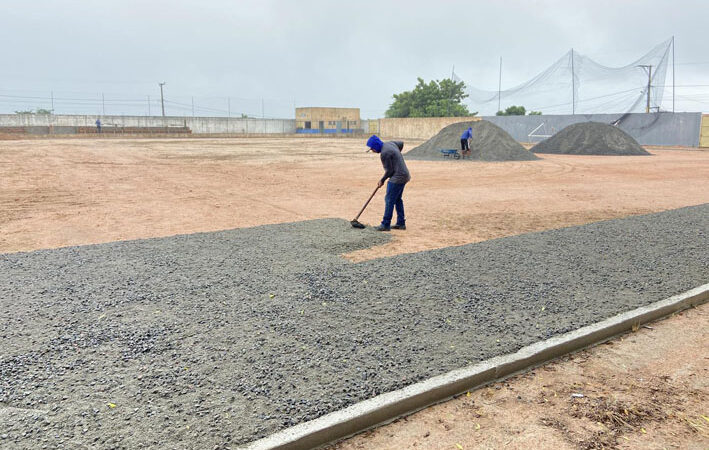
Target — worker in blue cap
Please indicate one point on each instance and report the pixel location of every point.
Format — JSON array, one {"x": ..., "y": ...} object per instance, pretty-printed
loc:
[
  {"x": 465, "y": 139},
  {"x": 397, "y": 173}
]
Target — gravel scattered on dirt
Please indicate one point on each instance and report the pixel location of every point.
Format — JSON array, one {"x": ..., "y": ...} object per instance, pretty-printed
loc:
[
  {"x": 217, "y": 339},
  {"x": 489, "y": 143},
  {"x": 590, "y": 138}
]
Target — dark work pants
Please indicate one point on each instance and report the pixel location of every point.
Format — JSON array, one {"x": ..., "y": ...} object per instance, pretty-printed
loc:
[{"x": 393, "y": 200}]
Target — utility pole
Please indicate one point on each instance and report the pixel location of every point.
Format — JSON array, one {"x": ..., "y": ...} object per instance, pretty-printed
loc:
[
  {"x": 148, "y": 106},
  {"x": 52, "y": 102},
  {"x": 499, "y": 86},
  {"x": 162, "y": 99},
  {"x": 103, "y": 105},
  {"x": 192, "y": 106},
  {"x": 450, "y": 92},
  {"x": 228, "y": 113},
  {"x": 263, "y": 115},
  {"x": 647, "y": 67},
  {"x": 673, "y": 74},
  {"x": 573, "y": 85}
]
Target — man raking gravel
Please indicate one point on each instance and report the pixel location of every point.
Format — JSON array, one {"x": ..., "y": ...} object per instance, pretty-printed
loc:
[{"x": 398, "y": 174}]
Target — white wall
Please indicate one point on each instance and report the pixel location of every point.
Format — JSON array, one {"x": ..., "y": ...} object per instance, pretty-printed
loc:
[{"x": 198, "y": 125}]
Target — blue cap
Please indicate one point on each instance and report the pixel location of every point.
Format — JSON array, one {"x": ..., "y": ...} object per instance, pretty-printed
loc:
[{"x": 375, "y": 143}]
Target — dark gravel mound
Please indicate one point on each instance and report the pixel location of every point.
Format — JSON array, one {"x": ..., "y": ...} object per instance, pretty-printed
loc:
[
  {"x": 489, "y": 143},
  {"x": 212, "y": 340},
  {"x": 590, "y": 138}
]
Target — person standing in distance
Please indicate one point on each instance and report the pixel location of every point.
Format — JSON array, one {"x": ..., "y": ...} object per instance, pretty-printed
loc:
[
  {"x": 397, "y": 173},
  {"x": 465, "y": 139}
]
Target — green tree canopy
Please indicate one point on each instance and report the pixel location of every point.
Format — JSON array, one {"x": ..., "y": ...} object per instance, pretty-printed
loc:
[
  {"x": 512, "y": 111},
  {"x": 31, "y": 111},
  {"x": 436, "y": 99}
]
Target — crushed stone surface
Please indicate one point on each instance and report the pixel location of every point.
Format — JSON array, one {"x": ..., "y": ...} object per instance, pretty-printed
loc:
[
  {"x": 489, "y": 143},
  {"x": 211, "y": 340},
  {"x": 591, "y": 138}
]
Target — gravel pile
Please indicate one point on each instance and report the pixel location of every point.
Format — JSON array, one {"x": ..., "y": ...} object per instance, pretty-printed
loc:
[
  {"x": 489, "y": 143},
  {"x": 590, "y": 138},
  {"x": 216, "y": 339}
]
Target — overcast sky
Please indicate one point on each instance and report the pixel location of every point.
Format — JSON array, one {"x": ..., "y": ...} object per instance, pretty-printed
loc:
[{"x": 267, "y": 56}]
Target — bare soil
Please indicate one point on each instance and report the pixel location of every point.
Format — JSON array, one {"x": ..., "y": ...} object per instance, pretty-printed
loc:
[
  {"x": 62, "y": 192},
  {"x": 56, "y": 193},
  {"x": 644, "y": 390}
]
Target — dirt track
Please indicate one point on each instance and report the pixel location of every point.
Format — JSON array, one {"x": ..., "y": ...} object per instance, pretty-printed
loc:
[{"x": 56, "y": 193}]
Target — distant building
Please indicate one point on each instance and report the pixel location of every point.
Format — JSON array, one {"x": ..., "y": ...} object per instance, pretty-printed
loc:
[{"x": 327, "y": 120}]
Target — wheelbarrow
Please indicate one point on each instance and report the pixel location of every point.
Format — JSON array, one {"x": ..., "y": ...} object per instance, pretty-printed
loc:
[{"x": 450, "y": 153}]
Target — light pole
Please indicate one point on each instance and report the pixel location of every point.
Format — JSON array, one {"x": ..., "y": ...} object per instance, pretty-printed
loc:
[
  {"x": 648, "y": 68},
  {"x": 499, "y": 86},
  {"x": 162, "y": 99},
  {"x": 573, "y": 85}
]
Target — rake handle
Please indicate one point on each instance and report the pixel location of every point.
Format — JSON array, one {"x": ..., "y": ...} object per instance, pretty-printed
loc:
[{"x": 367, "y": 203}]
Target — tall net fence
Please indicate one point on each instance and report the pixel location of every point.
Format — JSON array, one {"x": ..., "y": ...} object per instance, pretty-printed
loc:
[{"x": 576, "y": 84}]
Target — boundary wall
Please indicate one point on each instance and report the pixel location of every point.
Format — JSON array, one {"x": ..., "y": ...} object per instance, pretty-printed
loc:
[
  {"x": 704, "y": 134},
  {"x": 414, "y": 127},
  {"x": 69, "y": 124},
  {"x": 664, "y": 128}
]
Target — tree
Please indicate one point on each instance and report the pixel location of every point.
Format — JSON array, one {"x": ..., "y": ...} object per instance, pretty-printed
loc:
[
  {"x": 436, "y": 99},
  {"x": 534, "y": 113},
  {"x": 39, "y": 111},
  {"x": 512, "y": 111}
]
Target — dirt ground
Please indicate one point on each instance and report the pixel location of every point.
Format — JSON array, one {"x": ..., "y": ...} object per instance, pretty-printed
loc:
[
  {"x": 62, "y": 192},
  {"x": 56, "y": 193},
  {"x": 644, "y": 390}
]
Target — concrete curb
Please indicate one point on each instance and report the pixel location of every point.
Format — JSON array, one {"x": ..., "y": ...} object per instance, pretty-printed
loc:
[{"x": 388, "y": 407}]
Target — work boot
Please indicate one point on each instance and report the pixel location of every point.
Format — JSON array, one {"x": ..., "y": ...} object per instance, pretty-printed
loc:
[
  {"x": 399, "y": 227},
  {"x": 382, "y": 228}
]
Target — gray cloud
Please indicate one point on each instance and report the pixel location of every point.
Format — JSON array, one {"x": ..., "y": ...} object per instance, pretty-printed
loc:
[{"x": 320, "y": 53}]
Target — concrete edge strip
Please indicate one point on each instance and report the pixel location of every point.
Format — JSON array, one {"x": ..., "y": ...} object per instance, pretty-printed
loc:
[{"x": 387, "y": 407}]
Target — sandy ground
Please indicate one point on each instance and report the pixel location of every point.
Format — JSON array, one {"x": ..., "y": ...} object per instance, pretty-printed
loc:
[
  {"x": 62, "y": 192},
  {"x": 55, "y": 193},
  {"x": 645, "y": 390}
]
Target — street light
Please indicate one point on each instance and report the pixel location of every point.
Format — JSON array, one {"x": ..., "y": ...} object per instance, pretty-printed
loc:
[
  {"x": 648, "y": 69},
  {"x": 162, "y": 99}
]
